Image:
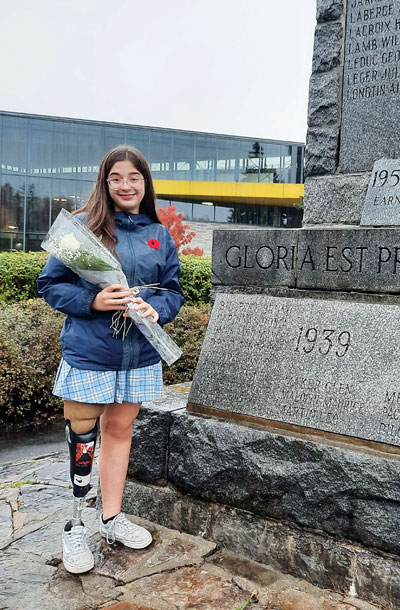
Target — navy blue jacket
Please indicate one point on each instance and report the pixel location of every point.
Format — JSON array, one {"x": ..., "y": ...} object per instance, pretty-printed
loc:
[{"x": 148, "y": 256}]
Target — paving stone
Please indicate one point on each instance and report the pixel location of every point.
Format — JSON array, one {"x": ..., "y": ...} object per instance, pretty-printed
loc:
[
  {"x": 189, "y": 587},
  {"x": 56, "y": 471},
  {"x": 10, "y": 495},
  {"x": 297, "y": 600},
  {"x": 23, "y": 578},
  {"x": 6, "y": 524},
  {"x": 168, "y": 551},
  {"x": 22, "y": 471},
  {"x": 47, "y": 542},
  {"x": 127, "y": 606}
]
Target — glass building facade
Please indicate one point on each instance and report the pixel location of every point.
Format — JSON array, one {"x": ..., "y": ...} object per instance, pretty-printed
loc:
[{"x": 47, "y": 163}]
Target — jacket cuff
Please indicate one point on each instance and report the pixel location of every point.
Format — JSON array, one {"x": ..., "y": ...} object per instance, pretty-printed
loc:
[
  {"x": 87, "y": 302},
  {"x": 163, "y": 317}
]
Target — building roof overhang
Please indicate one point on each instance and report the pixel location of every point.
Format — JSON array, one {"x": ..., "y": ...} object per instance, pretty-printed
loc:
[{"x": 260, "y": 193}]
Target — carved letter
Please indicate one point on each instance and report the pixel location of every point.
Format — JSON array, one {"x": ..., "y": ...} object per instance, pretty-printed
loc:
[
  {"x": 260, "y": 258},
  {"x": 308, "y": 261},
  {"x": 328, "y": 257},
  {"x": 239, "y": 257},
  {"x": 381, "y": 259}
]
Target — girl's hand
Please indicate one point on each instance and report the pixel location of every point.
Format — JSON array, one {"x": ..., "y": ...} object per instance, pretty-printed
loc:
[
  {"x": 141, "y": 307},
  {"x": 113, "y": 297}
]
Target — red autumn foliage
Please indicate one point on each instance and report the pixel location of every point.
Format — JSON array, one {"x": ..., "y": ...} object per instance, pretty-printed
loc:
[
  {"x": 181, "y": 233},
  {"x": 193, "y": 251}
]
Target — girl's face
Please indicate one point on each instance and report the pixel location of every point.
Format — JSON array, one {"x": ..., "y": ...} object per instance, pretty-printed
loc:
[{"x": 126, "y": 187}]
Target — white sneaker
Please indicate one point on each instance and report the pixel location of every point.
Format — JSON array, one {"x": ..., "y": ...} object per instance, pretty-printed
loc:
[
  {"x": 123, "y": 530},
  {"x": 77, "y": 557}
]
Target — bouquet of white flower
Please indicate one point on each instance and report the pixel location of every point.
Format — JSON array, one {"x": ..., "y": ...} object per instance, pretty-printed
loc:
[{"x": 72, "y": 243}]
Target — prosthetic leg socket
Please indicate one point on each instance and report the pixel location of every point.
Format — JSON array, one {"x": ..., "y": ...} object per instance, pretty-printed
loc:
[{"x": 81, "y": 452}]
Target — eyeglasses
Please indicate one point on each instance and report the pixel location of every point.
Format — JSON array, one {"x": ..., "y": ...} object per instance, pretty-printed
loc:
[{"x": 117, "y": 183}]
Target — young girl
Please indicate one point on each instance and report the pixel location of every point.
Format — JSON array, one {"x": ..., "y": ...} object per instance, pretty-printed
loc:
[{"x": 101, "y": 375}]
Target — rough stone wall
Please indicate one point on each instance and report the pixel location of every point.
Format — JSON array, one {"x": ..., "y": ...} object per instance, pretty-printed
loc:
[
  {"x": 330, "y": 197},
  {"x": 312, "y": 509}
]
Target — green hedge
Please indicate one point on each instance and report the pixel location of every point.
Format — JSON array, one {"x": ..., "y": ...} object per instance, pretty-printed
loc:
[
  {"x": 196, "y": 279},
  {"x": 30, "y": 353},
  {"x": 19, "y": 270},
  {"x": 18, "y": 273}
]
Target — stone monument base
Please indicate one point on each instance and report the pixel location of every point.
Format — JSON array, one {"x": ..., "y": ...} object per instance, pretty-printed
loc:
[{"x": 309, "y": 507}]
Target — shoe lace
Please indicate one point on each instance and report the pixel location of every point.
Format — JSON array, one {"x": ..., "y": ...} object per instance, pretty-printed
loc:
[
  {"x": 77, "y": 538},
  {"x": 123, "y": 523}
]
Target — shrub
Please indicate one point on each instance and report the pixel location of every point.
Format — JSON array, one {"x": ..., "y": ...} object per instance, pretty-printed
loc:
[
  {"x": 19, "y": 270},
  {"x": 30, "y": 352},
  {"x": 181, "y": 234},
  {"x": 187, "y": 330},
  {"x": 196, "y": 279},
  {"x": 29, "y": 356},
  {"x": 18, "y": 273}
]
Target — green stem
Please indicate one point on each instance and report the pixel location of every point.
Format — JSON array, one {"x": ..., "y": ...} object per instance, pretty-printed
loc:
[{"x": 252, "y": 598}]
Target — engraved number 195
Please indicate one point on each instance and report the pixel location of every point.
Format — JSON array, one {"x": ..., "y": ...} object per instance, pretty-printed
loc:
[
  {"x": 325, "y": 341},
  {"x": 382, "y": 177}
]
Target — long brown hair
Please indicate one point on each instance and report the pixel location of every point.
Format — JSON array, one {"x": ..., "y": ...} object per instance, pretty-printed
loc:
[{"x": 100, "y": 207}]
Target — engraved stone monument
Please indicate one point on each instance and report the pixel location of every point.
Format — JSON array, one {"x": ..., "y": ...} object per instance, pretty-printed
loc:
[
  {"x": 288, "y": 451},
  {"x": 304, "y": 330}
]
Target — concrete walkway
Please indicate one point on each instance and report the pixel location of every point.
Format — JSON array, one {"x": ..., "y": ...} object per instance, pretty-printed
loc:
[{"x": 177, "y": 571}]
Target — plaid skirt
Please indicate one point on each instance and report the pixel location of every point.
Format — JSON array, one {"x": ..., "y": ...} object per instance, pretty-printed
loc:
[{"x": 106, "y": 387}]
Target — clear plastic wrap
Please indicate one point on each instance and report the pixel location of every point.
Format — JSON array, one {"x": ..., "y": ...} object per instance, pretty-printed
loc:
[{"x": 71, "y": 242}]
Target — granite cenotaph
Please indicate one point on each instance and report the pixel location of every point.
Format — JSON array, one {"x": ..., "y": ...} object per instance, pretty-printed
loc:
[{"x": 288, "y": 449}]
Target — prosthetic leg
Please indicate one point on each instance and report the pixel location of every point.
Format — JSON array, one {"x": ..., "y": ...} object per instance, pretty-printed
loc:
[{"x": 81, "y": 452}]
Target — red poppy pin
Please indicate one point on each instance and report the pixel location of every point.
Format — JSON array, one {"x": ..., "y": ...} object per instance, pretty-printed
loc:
[{"x": 154, "y": 243}]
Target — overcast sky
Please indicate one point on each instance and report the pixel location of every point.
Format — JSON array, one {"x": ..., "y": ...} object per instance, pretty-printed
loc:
[{"x": 226, "y": 66}]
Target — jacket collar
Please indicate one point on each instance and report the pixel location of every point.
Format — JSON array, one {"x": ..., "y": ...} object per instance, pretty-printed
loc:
[{"x": 125, "y": 219}]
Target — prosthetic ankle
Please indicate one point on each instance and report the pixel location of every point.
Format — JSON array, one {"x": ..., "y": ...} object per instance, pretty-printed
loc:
[{"x": 81, "y": 453}]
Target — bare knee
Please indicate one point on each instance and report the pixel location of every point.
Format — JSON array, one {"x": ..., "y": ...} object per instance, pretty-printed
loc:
[
  {"x": 116, "y": 428},
  {"x": 117, "y": 420},
  {"x": 82, "y": 415}
]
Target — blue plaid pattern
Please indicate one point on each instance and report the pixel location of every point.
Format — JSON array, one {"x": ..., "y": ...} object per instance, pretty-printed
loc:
[{"x": 106, "y": 387}]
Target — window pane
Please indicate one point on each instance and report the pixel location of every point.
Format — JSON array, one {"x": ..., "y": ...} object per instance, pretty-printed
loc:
[
  {"x": 224, "y": 213},
  {"x": 270, "y": 163},
  {"x": 14, "y": 145},
  {"x": 290, "y": 217},
  {"x": 113, "y": 136},
  {"x": 300, "y": 165},
  {"x": 206, "y": 158},
  {"x": 226, "y": 159},
  {"x": 37, "y": 211},
  {"x": 285, "y": 163},
  {"x": 138, "y": 138},
  {"x": 89, "y": 151},
  {"x": 63, "y": 196},
  {"x": 12, "y": 212},
  {"x": 160, "y": 154},
  {"x": 203, "y": 212},
  {"x": 83, "y": 190},
  {"x": 180, "y": 206},
  {"x": 65, "y": 155},
  {"x": 250, "y": 160},
  {"x": 41, "y": 147},
  {"x": 183, "y": 157}
]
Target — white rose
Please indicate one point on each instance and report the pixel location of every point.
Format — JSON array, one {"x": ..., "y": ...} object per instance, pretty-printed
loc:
[{"x": 69, "y": 242}]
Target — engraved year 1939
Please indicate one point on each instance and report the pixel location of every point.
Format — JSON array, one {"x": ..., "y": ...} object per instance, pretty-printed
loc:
[{"x": 324, "y": 341}]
